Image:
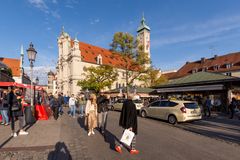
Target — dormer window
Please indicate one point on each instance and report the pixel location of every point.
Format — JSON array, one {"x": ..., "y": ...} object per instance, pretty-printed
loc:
[
  {"x": 204, "y": 69},
  {"x": 216, "y": 67},
  {"x": 229, "y": 65},
  {"x": 194, "y": 70},
  {"x": 99, "y": 59}
]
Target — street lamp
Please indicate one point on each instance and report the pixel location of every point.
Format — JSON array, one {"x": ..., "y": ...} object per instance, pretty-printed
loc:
[
  {"x": 31, "y": 57},
  {"x": 37, "y": 81}
]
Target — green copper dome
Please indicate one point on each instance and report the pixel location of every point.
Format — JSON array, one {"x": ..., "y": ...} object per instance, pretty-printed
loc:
[{"x": 143, "y": 25}]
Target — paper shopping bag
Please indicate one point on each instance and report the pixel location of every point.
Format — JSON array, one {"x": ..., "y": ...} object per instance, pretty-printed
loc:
[{"x": 127, "y": 137}]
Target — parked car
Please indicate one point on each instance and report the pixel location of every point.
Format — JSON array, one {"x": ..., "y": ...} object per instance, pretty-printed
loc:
[
  {"x": 118, "y": 104},
  {"x": 172, "y": 110}
]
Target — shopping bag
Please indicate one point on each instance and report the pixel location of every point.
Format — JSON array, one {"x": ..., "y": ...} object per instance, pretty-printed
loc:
[{"x": 127, "y": 137}]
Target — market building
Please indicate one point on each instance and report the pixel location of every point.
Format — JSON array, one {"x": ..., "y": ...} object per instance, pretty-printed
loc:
[
  {"x": 220, "y": 88},
  {"x": 73, "y": 56}
]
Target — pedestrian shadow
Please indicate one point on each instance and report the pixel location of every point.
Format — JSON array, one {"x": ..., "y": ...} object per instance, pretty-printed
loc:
[
  {"x": 61, "y": 152},
  {"x": 81, "y": 122}
]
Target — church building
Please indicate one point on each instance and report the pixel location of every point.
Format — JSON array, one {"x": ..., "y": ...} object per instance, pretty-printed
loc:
[{"x": 74, "y": 55}]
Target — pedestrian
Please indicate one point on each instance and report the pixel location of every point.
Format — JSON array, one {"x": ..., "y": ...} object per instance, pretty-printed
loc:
[
  {"x": 82, "y": 103},
  {"x": 72, "y": 105},
  {"x": 207, "y": 107},
  {"x": 91, "y": 112},
  {"x": 16, "y": 111},
  {"x": 54, "y": 104},
  {"x": 4, "y": 108},
  {"x": 128, "y": 120},
  {"x": 61, "y": 103},
  {"x": 102, "y": 103},
  {"x": 232, "y": 107}
]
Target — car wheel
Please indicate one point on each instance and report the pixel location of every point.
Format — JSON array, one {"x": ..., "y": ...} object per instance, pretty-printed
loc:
[
  {"x": 172, "y": 119},
  {"x": 143, "y": 114}
]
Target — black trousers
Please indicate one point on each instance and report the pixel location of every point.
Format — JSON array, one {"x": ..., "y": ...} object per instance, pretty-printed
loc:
[
  {"x": 20, "y": 119},
  {"x": 207, "y": 109},
  {"x": 231, "y": 112}
]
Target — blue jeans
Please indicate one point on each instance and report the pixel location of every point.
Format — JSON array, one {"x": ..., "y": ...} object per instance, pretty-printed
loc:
[
  {"x": 81, "y": 109},
  {"x": 60, "y": 109},
  {"x": 73, "y": 110},
  {"x": 5, "y": 118}
]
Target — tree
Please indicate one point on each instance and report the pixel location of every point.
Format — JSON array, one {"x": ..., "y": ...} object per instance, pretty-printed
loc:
[
  {"x": 153, "y": 78},
  {"x": 136, "y": 62},
  {"x": 97, "y": 78}
]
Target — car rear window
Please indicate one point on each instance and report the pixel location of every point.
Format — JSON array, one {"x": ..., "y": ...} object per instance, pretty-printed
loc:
[
  {"x": 191, "y": 105},
  {"x": 137, "y": 101}
]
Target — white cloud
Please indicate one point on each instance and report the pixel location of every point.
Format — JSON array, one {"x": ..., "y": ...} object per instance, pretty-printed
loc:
[
  {"x": 40, "y": 4},
  {"x": 54, "y": 1},
  {"x": 55, "y": 14},
  {"x": 68, "y": 6},
  {"x": 198, "y": 31},
  {"x": 94, "y": 21}
]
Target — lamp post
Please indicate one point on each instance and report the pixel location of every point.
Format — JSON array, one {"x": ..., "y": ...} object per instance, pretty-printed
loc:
[
  {"x": 31, "y": 57},
  {"x": 37, "y": 81}
]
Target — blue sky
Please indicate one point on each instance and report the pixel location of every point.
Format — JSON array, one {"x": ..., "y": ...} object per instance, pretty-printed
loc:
[{"x": 181, "y": 30}]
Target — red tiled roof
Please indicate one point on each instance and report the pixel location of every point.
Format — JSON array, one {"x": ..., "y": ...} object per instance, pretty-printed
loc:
[
  {"x": 89, "y": 54},
  {"x": 221, "y": 61},
  {"x": 170, "y": 75},
  {"x": 14, "y": 64}
]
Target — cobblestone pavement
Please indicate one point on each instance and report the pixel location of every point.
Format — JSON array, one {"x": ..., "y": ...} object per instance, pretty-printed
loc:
[
  {"x": 70, "y": 145},
  {"x": 156, "y": 140}
]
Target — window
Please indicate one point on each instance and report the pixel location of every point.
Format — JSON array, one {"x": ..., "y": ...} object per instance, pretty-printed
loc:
[
  {"x": 216, "y": 67},
  {"x": 191, "y": 105},
  {"x": 194, "y": 70},
  {"x": 229, "y": 74},
  {"x": 164, "y": 103},
  {"x": 155, "y": 104},
  {"x": 228, "y": 65},
  {"x": 99, "y": 59}
]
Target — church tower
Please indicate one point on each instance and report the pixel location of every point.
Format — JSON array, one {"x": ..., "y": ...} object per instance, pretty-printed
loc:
[{"x": 143, "y": 36}]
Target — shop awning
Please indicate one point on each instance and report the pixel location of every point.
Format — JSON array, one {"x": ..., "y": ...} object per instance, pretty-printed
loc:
[{"x": 191, "y": 88}]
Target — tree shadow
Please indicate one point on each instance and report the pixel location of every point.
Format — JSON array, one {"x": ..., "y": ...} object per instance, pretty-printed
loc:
[{"x": 61, "y": 152}]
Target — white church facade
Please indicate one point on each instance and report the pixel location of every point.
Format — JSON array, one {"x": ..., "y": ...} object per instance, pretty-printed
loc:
[{"x": 74, "y": 55}]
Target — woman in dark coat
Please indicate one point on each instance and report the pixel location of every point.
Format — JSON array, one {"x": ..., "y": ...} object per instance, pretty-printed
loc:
[
  {"x": 16, "y": 111},
  {"x": 128, "y": 120}
]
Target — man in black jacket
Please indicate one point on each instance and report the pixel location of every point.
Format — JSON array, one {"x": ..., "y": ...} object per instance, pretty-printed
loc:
[
  {"x": 102, "y": 110},
  {"x": 61, "y": 103},
  {"x": 128, "y": 120}
]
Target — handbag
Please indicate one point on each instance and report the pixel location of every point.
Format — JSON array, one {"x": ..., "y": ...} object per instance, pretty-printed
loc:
[
  {"x": 127, "y": 137},
  {"x": 16, "y": 106}
]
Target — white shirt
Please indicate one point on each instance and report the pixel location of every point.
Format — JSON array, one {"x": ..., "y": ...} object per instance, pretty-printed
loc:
[{"x": 72, "y": 101}]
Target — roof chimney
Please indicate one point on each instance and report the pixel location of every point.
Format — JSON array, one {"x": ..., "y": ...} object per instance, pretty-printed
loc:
[
  {"x": 187, "y": 62},
  {"x": 203, "y": 59},
  {"x": 215, "y": 56}
]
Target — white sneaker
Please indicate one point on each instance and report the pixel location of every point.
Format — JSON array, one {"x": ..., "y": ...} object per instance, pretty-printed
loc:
[
  {"x": 23, "y": 133},
  {"x": 14, "y": 134},
  {"x": 93, "y": 132},
  {"x": 89, "y": 133}
]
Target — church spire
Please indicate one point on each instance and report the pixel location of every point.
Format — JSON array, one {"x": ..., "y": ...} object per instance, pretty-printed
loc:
[{"x": 143, "y": 25}]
